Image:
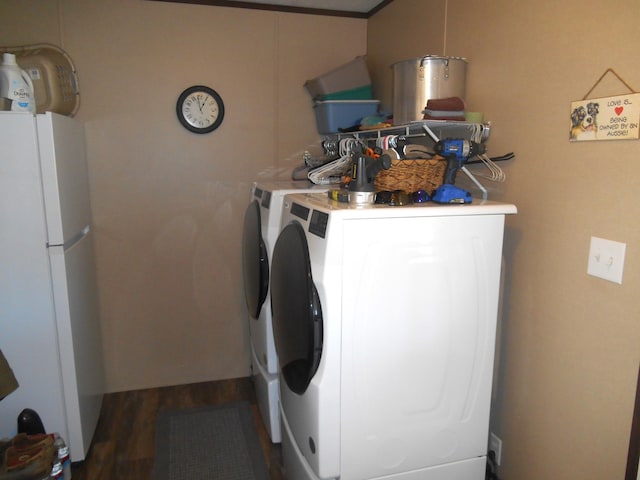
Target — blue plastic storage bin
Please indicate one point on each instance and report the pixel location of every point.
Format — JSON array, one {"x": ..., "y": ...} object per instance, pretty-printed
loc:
[{"x": 334, "y": 115}]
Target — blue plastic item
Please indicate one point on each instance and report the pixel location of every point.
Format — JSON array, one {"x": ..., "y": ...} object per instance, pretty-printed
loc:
[
  {"x": 331, "y": 116},
  {"x": 451, "y": 194}
]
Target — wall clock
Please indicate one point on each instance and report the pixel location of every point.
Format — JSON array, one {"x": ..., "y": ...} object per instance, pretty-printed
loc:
[{"x": 200, "y": 109}]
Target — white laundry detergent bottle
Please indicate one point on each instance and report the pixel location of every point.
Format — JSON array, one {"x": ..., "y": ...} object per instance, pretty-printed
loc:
[{"x": 16, "y": 86}]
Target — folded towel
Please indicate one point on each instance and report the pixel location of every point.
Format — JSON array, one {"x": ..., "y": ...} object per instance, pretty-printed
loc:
[
  {"x": 448, "y": 119},
  {"x": 449, "y": 104}
]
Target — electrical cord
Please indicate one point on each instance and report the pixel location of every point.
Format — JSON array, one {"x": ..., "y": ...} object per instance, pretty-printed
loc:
[{"x": 492, "y": 467}]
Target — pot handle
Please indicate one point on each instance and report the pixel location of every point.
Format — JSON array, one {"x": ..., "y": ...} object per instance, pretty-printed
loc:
[
  {"x": 433, "y": 57},
  {"x": 445, "y": 61}
]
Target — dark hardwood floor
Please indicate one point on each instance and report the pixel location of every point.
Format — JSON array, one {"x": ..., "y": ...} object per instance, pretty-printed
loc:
[{"x": 124, "y": 441}]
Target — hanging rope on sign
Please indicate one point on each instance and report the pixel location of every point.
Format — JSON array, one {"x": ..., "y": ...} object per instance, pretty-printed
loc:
[{"x": 602, "y": 76}]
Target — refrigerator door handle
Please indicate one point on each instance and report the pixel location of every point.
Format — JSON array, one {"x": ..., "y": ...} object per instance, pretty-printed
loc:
[{"x": 73, "y": 240}]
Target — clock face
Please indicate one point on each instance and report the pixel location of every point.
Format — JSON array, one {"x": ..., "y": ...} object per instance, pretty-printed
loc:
[{"x": 200, "y": 109}]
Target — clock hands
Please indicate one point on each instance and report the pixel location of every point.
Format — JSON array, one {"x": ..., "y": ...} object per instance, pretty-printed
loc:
[{"x": 201, "y": 105}]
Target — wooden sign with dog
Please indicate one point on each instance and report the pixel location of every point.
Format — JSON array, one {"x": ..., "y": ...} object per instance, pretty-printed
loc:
[{"x": 609, "y": 118}]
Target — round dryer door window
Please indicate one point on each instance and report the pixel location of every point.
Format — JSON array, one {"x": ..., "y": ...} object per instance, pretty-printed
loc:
[
  {"x": 297, "y": 314},
  {"x": 255, "y": 263}
]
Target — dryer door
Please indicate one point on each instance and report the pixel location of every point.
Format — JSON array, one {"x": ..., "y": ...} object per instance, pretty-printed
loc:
[
  {"x": 297, "y": 314},
  {"x": 255, "y": 264}
]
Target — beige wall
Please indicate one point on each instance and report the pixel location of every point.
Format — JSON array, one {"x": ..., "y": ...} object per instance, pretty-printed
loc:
[
  {"x": 168, "y": 205},
  {"x": 570, "y": 342}
]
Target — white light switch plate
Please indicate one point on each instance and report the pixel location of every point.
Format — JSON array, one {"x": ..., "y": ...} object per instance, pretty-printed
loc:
[{"x": 606, "y": 259}]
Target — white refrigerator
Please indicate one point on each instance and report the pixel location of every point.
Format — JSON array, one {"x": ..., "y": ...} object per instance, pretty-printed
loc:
[{"x": 49, "y": 323}]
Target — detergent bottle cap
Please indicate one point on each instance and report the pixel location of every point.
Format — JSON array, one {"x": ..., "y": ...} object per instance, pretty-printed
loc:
[{"x": 9, "y": 59}]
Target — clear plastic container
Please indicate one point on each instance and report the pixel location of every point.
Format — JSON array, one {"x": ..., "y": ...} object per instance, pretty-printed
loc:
[
  {"x": 345, "y": 77},
  {"x": 64, "y": 458}
]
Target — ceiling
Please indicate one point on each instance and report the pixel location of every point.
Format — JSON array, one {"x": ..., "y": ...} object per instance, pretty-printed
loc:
[
  {"x": 361, "y": 6},
  {"x": 339, "y": 8}
]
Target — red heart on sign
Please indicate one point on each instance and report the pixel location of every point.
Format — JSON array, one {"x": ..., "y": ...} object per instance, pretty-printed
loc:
[{"x": 619, "y": 110}]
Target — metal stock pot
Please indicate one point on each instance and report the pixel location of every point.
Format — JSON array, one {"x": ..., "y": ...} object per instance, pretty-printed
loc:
[{"x": 418, "y": 80}]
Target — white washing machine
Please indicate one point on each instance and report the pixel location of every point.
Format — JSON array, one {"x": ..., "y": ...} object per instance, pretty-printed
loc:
[
  {"x": 384, "y": 321},
  {"x": 261, "y": 228}
]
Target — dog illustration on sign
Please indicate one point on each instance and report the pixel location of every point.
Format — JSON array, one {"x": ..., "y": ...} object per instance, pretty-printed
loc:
[{"x": 583, "y": 121}]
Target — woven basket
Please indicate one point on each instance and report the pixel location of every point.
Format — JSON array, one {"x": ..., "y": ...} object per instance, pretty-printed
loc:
[{"x": 412, "y": 175}]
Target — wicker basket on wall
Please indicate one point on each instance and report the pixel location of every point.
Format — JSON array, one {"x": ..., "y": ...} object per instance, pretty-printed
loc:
[{"x": 412, "y": 175}]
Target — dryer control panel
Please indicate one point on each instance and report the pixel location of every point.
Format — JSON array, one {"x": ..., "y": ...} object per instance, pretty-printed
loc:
[{"x": 318, "y": 223}]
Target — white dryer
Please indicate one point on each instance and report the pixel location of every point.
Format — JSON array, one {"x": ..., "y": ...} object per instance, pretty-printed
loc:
[
  {"x": 261, "y": 228},
  {"x": 384, "y": 321}
]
